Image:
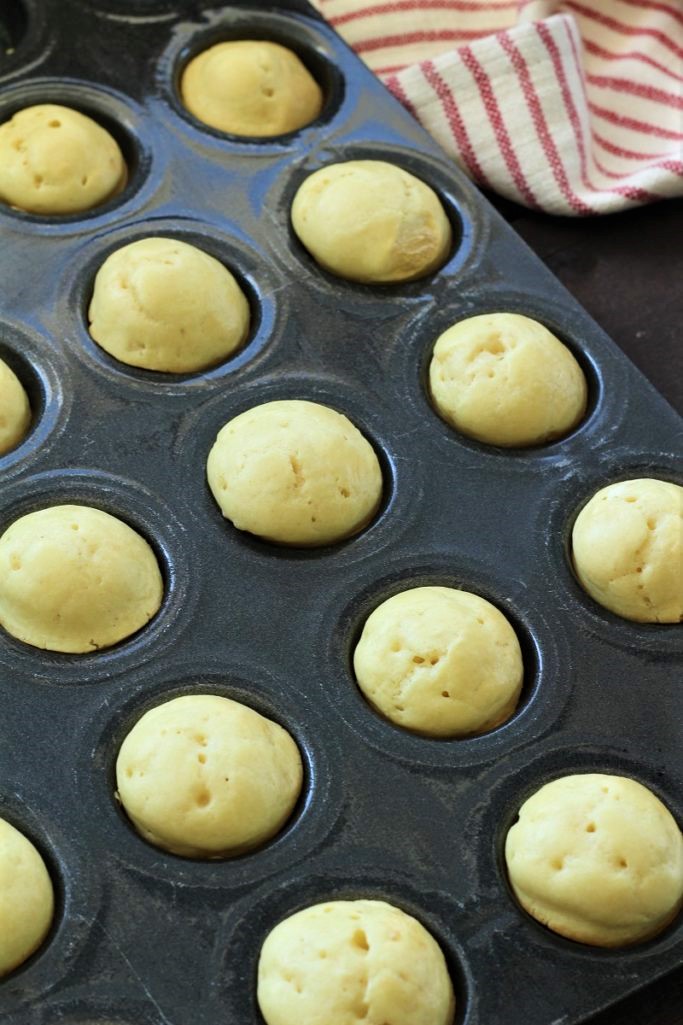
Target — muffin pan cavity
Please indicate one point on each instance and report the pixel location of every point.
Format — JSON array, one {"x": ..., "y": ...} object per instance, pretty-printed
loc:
[
  {"x": 545, "y": 687},
  {"x": 24, "y": 43},
  {"x": 13, "y": 27},
  {"x": 398, "y": 505},
  {"x": 254, "y": 918},
  {"x": 40, "y": 373},
  {"x": 263, "y": 290},
  {"x": 111, "y": 111},
  {"x": 467, "y": 231},
  {"x": 603, "y": 409},
  {"x": 312, "y": 44},
  {"x": 315, "y": 814},
  {"x": 154, "y": 521},
  {"x": 549, "y": 765},
  {"x": 575, "y": 488},
  {"x": 77, "y": 896},
  {"x": 146, "y": 937}
]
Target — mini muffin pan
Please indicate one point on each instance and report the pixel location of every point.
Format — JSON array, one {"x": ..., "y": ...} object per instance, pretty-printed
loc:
[{"x": 145, "y": 938}]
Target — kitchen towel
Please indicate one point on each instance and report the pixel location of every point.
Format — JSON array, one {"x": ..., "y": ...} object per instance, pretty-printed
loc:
[{"x": 570, "y": 106}]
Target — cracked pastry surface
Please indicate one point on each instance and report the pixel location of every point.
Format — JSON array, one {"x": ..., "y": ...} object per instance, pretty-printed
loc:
[
  {"x": 504, "y": 379},
  {"x": 440, "y": 661},
  {"x": 55, "y": 160},
  {"x": 203, "y": 776},
  {"x": 26, "y": 898},
  {"x": 597, "y": 858},
  {"x": 75, "y": 579},
  {"x": 251, "y": 88},
  {"x": 15, "y": 411},
  {"x": 371, "y": 221},
  {"x": 627, "y": 548},
  {"x": 296, "y": 473},
  {"x": 352, "y": 961},
  {"x": 165, "y": 305}
]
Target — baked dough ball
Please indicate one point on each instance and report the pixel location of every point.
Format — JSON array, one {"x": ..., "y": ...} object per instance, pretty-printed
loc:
[
  {"x": 440, "y": 661},
  {"x": 506, "y": 380},
  {"x": 26, "y": 898},
  {"x": 370, "y": 221},
  {"x": 165, "y": 305},
  {"x": 350, "y": 961},
  {"x": 54, "y": 160},
  {"x": 251, "y": 87},
  {"x": 598, "y": 859},
  {"x": 15, "y": 412},
  {"x": 76, "y": 579},
  {"x": 628, "y": 550},
  {"x": 206, "y": 777},
  {"x": 296, "y": 473}
]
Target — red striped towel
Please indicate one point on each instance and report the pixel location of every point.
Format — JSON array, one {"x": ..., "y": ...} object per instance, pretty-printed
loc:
[{"x": 569, "y": 106}]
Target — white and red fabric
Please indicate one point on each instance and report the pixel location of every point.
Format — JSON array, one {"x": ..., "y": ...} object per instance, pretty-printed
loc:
[{"x": 569, "y": 106}]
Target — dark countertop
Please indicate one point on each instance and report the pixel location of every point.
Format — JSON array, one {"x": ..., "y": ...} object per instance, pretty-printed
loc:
[{"x": 627, "y": 271}]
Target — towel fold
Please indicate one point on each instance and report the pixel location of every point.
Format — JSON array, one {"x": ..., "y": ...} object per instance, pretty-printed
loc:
[{"x": 570, "y": 106}]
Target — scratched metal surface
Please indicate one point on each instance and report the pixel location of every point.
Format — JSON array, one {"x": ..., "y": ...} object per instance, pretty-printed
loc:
[{"x": 141, "y": 936}]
